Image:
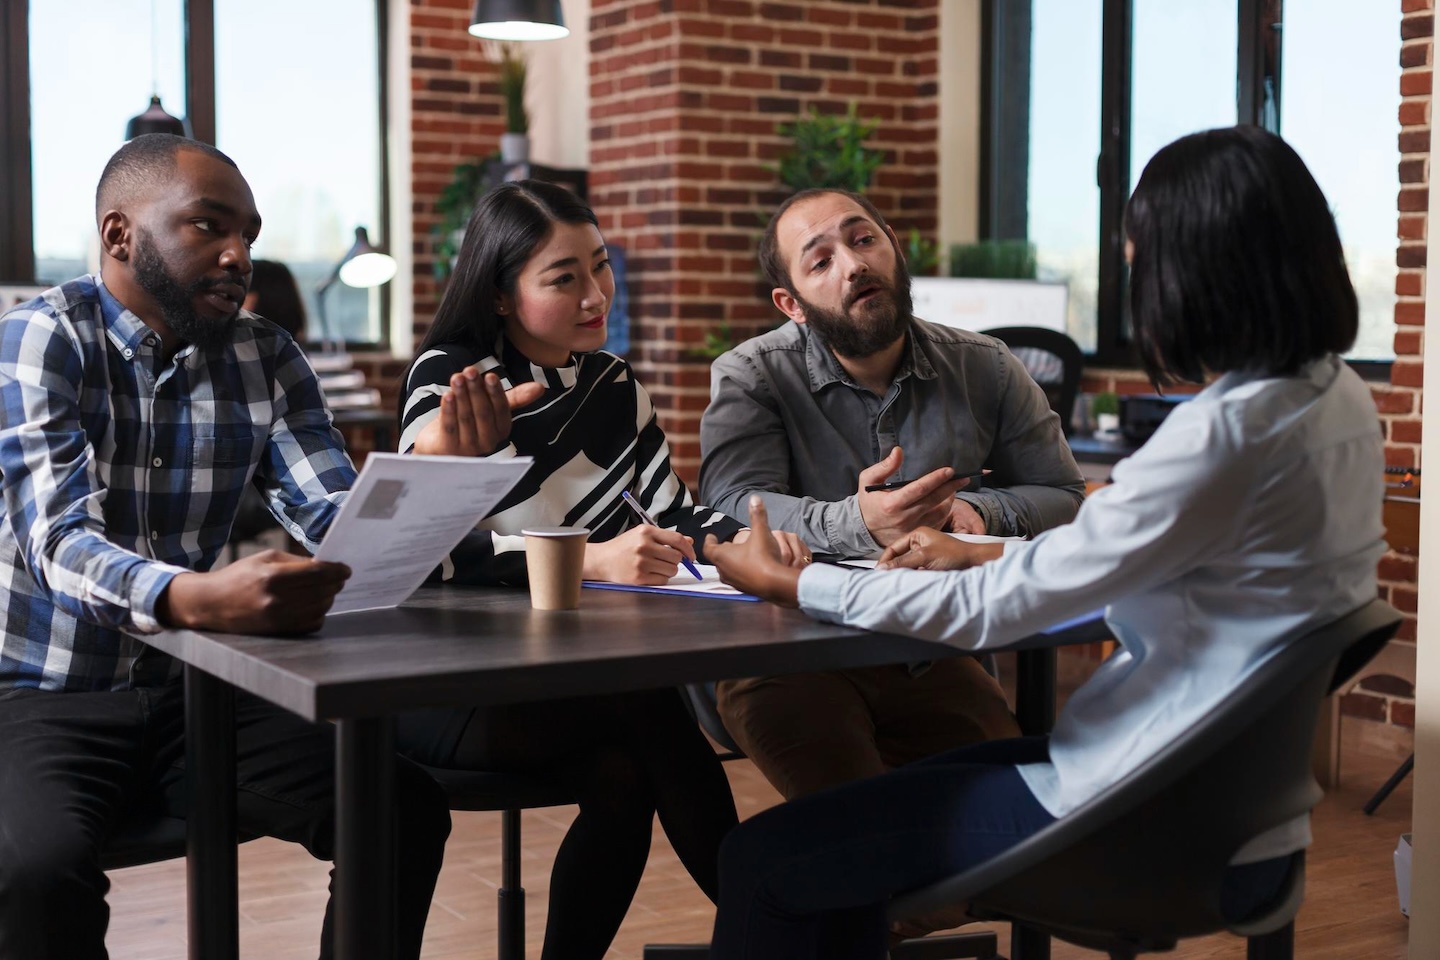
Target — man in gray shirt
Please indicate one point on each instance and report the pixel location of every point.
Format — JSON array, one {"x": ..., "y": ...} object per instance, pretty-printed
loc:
[{"x": 854, "y": 393}]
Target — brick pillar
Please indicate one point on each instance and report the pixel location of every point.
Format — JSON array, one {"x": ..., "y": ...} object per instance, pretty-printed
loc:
[
  {"x": 457, "y": 116},
  {"x": 1387, "y": 698},
  {"x": 685, "y": 100}
]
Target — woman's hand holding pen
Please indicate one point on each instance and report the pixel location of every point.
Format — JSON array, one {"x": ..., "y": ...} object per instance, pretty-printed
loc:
[
  {"x": 644, "y": 555},
  {"x": 474, "y": 416},
  {"x": 890, "y": 514}
]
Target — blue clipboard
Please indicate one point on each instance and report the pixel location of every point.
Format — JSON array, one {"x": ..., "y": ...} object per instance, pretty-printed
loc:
[{"x": 668, "y": 590}]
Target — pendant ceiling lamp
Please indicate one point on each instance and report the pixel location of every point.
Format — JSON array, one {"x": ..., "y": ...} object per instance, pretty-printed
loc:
[
  {"x": 154, "y": 119},
  {"x": 518, "y": 20}
]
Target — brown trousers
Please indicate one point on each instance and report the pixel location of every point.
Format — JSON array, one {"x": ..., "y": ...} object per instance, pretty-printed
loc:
[{"x": 807, "y": 732}]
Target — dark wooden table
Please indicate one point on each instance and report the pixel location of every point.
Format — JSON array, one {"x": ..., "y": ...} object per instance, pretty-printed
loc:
[{"x": 456, "y": 646}]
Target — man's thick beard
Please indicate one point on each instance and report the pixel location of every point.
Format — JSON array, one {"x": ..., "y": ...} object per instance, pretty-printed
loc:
[
  {"x": 871, "y": 327},
  {"x": 177, "y": 302}
]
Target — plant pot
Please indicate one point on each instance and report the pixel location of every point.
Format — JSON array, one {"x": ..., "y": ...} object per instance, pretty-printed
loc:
[{"x": 514, "y": 147}]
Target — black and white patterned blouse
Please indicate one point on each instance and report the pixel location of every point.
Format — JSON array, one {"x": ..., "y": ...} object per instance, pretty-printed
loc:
[{"x": 592, "y": 434}]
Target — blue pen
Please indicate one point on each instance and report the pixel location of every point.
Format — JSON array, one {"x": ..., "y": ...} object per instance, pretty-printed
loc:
[{"x": 646, "y": 518}]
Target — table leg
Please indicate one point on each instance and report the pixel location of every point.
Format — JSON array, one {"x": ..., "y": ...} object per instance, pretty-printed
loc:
[
  {"x": 1027, "y": 943},
  {"x": 212, "y": 887},
  {"x": 365, "y": 839},
  {"x": 1035, "y": 712},
  {"x": 1035, "y": 690}
]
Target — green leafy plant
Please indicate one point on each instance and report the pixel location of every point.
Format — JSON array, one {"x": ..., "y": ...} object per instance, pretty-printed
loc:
[
  {"x": 512, "y": 88},
  {"x": 826, "y": 151},
  {"x": 454, "y": 205},
  {"x": 1104, "y": 403},
  {"x": 829, "y": 151},
  {"x": 994, "y": 259},
  {"x": 922, "y": 256}
]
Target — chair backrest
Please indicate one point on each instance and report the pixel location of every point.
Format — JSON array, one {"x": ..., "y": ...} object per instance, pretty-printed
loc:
[
  {"x": 700, "y": 698},
  {"x": 1058, "y": 377},
  {"x": 1144, "y": 861}
]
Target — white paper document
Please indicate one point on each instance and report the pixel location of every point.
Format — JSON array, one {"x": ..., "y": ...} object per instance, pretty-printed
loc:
[
  {"x": 710, "y": 585},
  {"x": 404, "y": 515}
]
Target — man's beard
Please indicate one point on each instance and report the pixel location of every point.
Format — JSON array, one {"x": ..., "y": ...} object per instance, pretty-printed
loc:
[
  {"x": 177, "y": 302},
  {"x": 857, "y": 332}
]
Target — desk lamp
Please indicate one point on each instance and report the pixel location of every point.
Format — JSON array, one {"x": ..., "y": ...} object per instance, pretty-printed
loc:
[
  {"x": 362, "y": 266},
  {"x": 518, "y": 20}
]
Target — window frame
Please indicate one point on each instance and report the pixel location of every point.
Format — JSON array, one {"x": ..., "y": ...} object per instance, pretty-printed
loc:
[
  {"x": 1004, "y": 147},
  {"x": 17, "y": 234}
]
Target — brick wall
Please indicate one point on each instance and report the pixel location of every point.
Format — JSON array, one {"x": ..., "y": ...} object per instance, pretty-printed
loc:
[
  {"x": 1386, "y": 698},
  {"x": 457, "y": 116},
  {"x": 685, "y": 98}
]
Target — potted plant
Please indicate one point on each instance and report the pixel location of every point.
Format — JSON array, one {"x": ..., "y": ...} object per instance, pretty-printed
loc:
[
  {"x": 829, "y": 151},
  {"x": 454, "y": 206},
  {"x": 1105, "y": 407},
  {"x": 515, "y": 141},
  {"x": 826, "y": 151}
]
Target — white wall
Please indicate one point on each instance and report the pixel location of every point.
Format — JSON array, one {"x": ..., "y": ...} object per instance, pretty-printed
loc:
[
  {"x": 959, "y": 121},
  {"x": 557, "y": 92}
]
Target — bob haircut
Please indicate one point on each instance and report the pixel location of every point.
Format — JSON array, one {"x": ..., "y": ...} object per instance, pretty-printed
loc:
[
  {"x": 772, "y": 262},
  {"x": 508, "y": 224},
  {"x": 1237, "y": 264}
]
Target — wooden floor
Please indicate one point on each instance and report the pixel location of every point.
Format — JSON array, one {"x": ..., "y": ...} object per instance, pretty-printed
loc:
[{"x": 1350, "y": 911}]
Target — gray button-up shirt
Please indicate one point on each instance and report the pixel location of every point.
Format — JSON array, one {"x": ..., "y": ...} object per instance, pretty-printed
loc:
[{"x": 786, "y": 421}]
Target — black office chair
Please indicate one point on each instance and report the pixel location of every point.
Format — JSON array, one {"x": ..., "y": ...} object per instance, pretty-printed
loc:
[
  {"x": 509, "y": 793},
  {"x": 1052, "y": 359},
  {"x": 979, "y": 945},
  {"x": 1141, "y": 866}
]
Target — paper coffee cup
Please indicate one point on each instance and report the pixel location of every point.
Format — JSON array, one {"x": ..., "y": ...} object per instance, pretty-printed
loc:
[{"x": 554, "y": 559}]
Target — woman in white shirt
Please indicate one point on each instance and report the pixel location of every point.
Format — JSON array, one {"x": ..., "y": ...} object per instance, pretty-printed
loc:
[{"x": 1251, "y": 517}]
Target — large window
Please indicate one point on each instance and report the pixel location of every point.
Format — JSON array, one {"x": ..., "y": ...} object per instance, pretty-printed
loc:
[
  {"x": 77, "y": 121},
  {"x": 295, "y": 91},
  {"x": 1342, "y": 121},
  {"x": 297, "y": 110},
  {"x": 1100, "y": 85},
  {"x": 1063, "y": 198}
]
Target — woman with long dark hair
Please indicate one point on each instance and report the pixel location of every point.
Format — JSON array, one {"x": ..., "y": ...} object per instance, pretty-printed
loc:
[
  {"x": 521, "y": 327},
  {"x": 1251, "y": 517}
]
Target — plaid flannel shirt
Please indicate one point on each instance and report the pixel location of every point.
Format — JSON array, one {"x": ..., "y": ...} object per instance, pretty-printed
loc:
[{"x": 120, "y": 470}]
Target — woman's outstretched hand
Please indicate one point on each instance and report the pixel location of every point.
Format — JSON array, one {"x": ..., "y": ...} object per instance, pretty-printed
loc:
[
  {"x": 756, "y": 566},
  {"x": 474, "y": 416}
]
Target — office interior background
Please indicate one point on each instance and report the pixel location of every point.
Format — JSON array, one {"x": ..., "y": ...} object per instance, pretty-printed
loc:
[{"x": 999, "y": 120}]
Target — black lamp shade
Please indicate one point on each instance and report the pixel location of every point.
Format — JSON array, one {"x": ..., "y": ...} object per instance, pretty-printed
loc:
[
  {"x": 154, "y": 120},
  {"x": 518, "y": 20}
]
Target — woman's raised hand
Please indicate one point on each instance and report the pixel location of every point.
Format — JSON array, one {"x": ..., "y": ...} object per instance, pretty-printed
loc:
[{"x": 474, "y": 416}]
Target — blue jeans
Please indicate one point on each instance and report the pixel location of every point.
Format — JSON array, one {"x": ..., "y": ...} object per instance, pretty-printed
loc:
[{"x": 811, "y": 878}]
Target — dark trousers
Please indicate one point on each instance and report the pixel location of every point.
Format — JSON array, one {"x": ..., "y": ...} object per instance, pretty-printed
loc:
[
  {"x": 74, "y": 766},
  {"x": 624, "y": 758},
  {"x": 810, "y": 879}
]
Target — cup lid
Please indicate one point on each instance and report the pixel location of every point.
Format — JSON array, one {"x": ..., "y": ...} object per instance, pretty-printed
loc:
[{"x": 555, "y": 531}]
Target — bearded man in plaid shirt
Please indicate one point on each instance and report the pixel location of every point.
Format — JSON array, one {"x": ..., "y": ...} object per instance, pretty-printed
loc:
[{"x": 135, "y": 407}]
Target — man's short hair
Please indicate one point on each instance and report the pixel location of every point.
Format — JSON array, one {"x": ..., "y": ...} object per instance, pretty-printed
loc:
[
  {"x": 771, "y": 262},
  {"x": 143, "y": 162},
  {"x": 1238, "y": 264}
]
